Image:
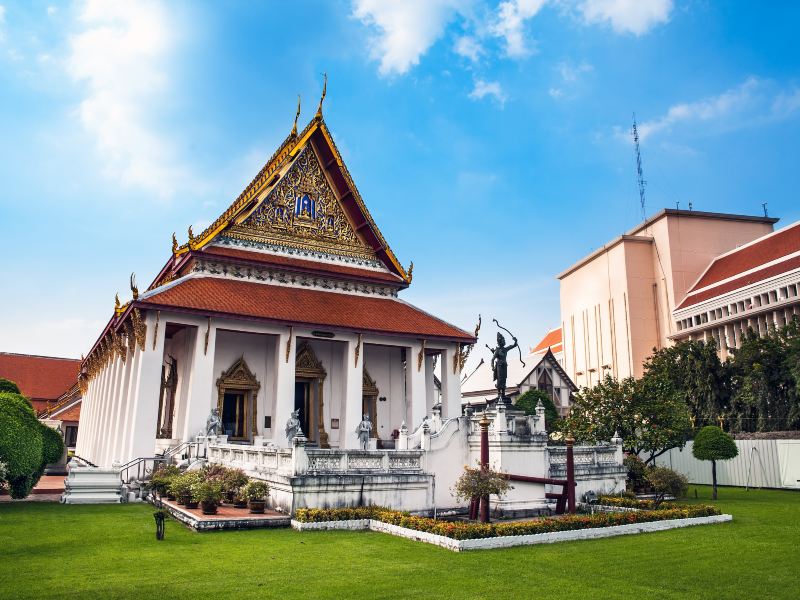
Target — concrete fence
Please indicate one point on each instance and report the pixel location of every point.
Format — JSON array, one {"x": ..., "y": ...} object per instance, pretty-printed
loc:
[{"x": 761, "y": 463}]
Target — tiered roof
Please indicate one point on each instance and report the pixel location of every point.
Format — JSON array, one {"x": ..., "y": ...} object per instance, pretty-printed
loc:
[
  {"x": 761, "y": 259},
  {"x": 297, "y": 246},
  {"x": 552, "y": 341}
]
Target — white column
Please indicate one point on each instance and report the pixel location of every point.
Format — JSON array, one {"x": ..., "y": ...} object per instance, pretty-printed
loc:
[
  {"x": 415, "y": 387},
  {"x": 122, "y": 408},
  {"x": 200, "y": 398},
  {"x": 145, "y": 402},
  {"x": 110, "y": 415},
  {"x": 97, "y": 420},
  {"x": 353, "y": 395},
  {"x": 284, "y": 388},
  {"x": 451, "y": 384},
  {"x": 134, "y": 357}
]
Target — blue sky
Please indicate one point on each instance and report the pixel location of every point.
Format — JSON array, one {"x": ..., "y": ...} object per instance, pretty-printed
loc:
[{"x": 489, "y": 139}]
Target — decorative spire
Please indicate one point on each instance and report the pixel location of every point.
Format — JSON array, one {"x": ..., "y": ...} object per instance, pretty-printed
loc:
[
  {"x": 117, "y": 304},
  {"x": 134, "y": 288},
  {"x": 296, "y": 116},
  {"x": 410, "y": 272},
  {"x": 191, "y": 238},
  {"x": 324, "y": 91},
  {"x": 174, "y": 243}
]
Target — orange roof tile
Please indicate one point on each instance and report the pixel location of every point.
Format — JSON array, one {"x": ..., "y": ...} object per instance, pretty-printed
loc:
[
  {"x": 290, "y": 305},
  {"x": 551, "y": 339},
  {"x": 750, "y": 256},
  {"x": 40, "y": 378}
]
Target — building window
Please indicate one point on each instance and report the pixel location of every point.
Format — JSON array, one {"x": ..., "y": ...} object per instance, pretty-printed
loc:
[{"x": 70, "y": 436}]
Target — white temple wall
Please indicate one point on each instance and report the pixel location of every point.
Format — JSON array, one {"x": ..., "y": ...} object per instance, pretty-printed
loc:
[
  {"x": 258, "y": 351},
  {"x": 385, "y": 366},
  {"x": 180, "y": 347}
]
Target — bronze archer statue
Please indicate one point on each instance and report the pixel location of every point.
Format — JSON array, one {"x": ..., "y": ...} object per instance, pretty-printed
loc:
[{"x": 500, "y": 362}]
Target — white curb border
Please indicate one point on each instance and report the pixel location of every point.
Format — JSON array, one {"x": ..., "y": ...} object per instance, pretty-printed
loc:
[{"x": 509, "y": 541}]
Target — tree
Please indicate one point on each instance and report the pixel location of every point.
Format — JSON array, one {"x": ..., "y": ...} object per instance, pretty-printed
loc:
[
  {"x": 765, "y": 386},
  {"x": 695, "y": 372},
  {"x": 21, "y": 444},
  {"x": 531, "y": 398},
  {"x": 711, "y": 443},
  {"x": 648, "y": 414}
]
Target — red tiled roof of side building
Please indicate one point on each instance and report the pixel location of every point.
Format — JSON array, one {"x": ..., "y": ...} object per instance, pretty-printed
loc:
[
  {"x": 551, "y": 339},
  {"x": 750, "y": 256},
  {"x": 40, "y": 378},
  {"x": 73, "y": 413},
  {"x": 290, "y": 305},
  {"x": 760, "y": 275},
  {"x": 300, "y": 263}
]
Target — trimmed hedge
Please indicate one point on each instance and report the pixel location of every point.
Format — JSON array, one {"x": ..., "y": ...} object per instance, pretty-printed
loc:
[
  {"x": 8, "y": 386},
  {"x": 52, "y": 445},
  {"x": 469, "y": 531},
  {"x": 21, "y": 444}
]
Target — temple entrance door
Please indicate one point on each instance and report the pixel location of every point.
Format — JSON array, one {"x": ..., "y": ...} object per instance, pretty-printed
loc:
[
  {"x": 369, "y": 403},
  {"x": 234, "y": 415},
  {"x": 302, "y": 401}
]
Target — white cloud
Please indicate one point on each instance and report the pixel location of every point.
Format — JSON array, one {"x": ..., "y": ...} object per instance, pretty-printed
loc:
[
  {"x": 510, "y": 24},
  {"x": 571, "y": 73},
  {"x": 406, "y": 29},
  {"x": 120, "y": 56},
  {"x": 51, "y": 10},
  {"x": 482, "y": 89},
  {"x": 469, "y": 47},
  {"x": 627, "y": 16},
  {"x": 731, "y": 103},
  {"x": 555, "y": 92},
  {"x": 2, "y": 21},
  {"x": 786, "y": 103}
]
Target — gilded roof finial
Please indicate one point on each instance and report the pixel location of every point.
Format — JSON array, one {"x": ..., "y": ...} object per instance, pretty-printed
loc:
[
  {"x": 174, "y": 243},
  {"x": 116, "y": 302},
  {"x": 134, "y": 288},
  {"x": 324, "y": 91},
  {"x": 296, "y": 116},
  {"x": 410, "y": 272},
  {"x": 191, "y": 238}
]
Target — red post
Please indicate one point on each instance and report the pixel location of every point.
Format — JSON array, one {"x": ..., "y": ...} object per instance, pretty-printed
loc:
[
  {"x": 484, "y": 423},
  {"x": 570, "y": 475}
]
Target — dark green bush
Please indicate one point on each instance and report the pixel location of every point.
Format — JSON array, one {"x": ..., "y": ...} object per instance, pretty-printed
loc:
[
  {"x": 8, "y": 386},
  {"x": 21, "y": 444},
  {"x": 530, "y": 399},
  {"x": 52, "y": 445},
  {"x": 667, "y": 482},
  {"x": 636, "y": 473}
]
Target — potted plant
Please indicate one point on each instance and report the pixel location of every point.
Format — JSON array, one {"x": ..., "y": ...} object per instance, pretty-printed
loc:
[
  {"x": 232, "y": 482},
  {"x": 208, "y": 494},
  {"x": 239, "y": 501},
  {"x": 181, "y": 488},
  {"x": 256, "y": 494},
  {"x": 161, "y": 478}
]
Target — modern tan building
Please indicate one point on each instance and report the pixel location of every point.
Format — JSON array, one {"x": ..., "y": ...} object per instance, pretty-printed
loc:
[{"x": 617, "y": 303}]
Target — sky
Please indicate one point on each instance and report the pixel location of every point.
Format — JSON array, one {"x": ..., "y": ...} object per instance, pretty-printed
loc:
[{"x": 490, "y": 140}]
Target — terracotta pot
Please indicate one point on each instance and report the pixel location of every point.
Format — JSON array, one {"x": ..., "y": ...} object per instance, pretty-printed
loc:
[
  {"x": 208, "y": 508},
  {"x": 240, "y": 504},
  {"x": 257, "y": 506}
]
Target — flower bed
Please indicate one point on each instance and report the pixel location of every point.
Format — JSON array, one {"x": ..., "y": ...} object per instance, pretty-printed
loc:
[{"x": 469, "y": 531}]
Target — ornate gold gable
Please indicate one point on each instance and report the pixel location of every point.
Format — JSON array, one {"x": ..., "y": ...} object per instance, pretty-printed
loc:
[
  {"x": 302, "y": 211},
  {"x": 307, "y": 364},
  {"x": 370, "y": 387}
]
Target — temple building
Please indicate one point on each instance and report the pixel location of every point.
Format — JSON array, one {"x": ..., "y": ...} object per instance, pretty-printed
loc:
[{"x": 289, "y": 301}]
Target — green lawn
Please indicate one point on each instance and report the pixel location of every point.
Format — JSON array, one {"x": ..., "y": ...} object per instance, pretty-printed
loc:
[{"x": 55, "y": 551}]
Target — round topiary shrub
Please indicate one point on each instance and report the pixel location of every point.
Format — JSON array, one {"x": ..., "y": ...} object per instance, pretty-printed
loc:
[
  {"x": 52, "y": 445},
  {"x": 21, "y": 445},
  {"x": 8, "y": 386},
  {"x": 711, "y": 443}
]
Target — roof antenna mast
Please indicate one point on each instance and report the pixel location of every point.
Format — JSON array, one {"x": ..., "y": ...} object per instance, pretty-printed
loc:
[{"x": 639, "y": 172}]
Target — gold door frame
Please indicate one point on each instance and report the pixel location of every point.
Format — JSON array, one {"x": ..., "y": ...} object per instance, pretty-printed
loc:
[
  {"x": 370, "y": 393},
  {"x": 239, "y": 378},
  {"x": 308, "y": 368}
]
